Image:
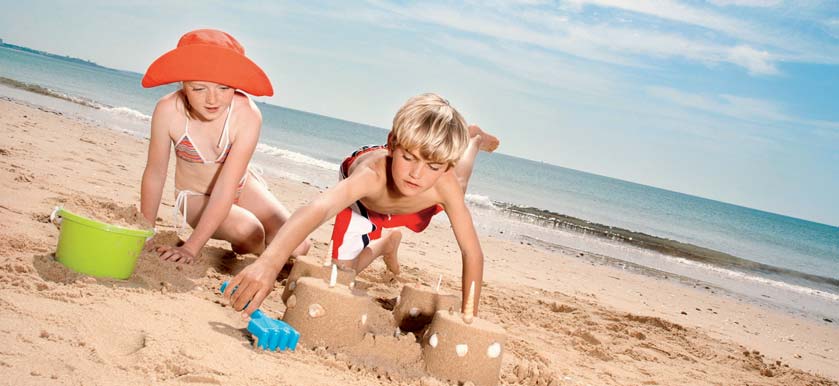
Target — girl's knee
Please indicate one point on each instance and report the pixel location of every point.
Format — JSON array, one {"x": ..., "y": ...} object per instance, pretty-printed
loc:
[
  {"x": 303, "y": 249},
  {"x": 248, "y": 237},
  {"x": 273, "y": 224}
]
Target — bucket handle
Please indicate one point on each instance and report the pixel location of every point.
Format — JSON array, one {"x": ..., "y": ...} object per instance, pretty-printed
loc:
[{"x": 55, "y": 219}]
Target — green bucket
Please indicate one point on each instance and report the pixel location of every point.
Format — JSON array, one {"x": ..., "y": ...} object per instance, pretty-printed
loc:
[{"x": 96, "y": 248}]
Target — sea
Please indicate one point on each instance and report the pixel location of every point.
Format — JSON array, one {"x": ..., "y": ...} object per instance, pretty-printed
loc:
[{"x": 797, "y": 261}]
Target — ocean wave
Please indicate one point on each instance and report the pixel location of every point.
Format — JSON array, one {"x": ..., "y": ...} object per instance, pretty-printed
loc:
[
  {"x": 480, "y": 201},
  {"x": 758, "y": 279},
  {"x": 38, "y": 89},
  {"x": 128, "y": 113},
  {"x": 296, "y": 157},
  {"x": 710, "y": 268}
]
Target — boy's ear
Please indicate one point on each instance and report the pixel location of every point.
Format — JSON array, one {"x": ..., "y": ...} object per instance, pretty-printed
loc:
[{"x": 390, "y": 143}]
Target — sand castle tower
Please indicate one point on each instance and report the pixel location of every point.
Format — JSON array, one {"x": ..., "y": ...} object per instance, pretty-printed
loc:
[
  {"x": 327, "y": 314},
  {"x": 416, "y": 306},
  {"x": 310, "y": 266},
  {"x": 463, "y": 348}
]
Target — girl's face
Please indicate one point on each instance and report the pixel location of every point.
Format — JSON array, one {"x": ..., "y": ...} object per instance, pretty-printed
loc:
[
  {"x": 412, "y": 174},
  {"x": 208, "y": 100}
]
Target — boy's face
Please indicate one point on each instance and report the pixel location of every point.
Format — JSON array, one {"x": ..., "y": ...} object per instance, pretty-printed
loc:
[{"x": 412, "y": 174}]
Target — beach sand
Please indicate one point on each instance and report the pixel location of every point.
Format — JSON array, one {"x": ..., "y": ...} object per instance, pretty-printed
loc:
[{"x": 569, "y": 319}]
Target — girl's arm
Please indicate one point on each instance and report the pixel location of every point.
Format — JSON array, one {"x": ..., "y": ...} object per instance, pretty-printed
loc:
[
  {"x": 256, "y": 281},
  {"x": 154, "y": 176},
  {"x": 224, "y": 190},
  {"x": 467, "y": 239}
]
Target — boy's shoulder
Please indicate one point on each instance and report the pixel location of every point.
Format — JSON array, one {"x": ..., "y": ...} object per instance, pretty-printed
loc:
[
  {"x": 448, "y": 189},
  {"x": 371, "y": 161}
]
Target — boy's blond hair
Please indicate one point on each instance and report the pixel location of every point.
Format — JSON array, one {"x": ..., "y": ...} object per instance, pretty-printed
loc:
[{"x": 427, "y": 124}]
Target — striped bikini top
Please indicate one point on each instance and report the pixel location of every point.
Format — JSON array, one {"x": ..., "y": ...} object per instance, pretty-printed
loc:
[{"x": 186, "y": 150}]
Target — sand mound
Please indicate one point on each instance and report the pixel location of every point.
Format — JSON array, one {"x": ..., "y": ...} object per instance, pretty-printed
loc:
[{"x": 126, "y": 216}]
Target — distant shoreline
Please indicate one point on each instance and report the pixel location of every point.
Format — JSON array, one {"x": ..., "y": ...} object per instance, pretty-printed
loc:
[{"x": 65, "y": 58}]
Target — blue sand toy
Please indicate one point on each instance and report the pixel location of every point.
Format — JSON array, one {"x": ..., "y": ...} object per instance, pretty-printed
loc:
[{"x": 269, "y": 333}]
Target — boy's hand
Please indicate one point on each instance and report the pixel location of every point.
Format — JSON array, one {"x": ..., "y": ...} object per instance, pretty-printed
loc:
[{"x": 252, "y": 285}]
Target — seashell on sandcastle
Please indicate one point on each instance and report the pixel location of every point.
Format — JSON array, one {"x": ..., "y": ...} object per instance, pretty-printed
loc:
[
  {"x": 416, "y": 306},
  {"x": 463, "y": 348},
  {"x": 327, "y": 314},
  {"x": 310, "y": 266}
]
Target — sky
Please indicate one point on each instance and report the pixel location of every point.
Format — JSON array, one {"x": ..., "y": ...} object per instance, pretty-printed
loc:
[{"x": 732, "y": 100}]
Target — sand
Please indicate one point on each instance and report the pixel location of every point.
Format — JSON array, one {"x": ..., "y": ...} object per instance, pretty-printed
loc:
[{"x": 569, "y": 320}]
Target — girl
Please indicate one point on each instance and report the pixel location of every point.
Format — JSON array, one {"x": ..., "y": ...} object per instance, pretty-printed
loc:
[{"x": 214, "y": 129}]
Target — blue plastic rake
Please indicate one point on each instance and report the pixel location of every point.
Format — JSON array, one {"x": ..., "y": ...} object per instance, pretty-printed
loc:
[{"x": 269, "y": 333}]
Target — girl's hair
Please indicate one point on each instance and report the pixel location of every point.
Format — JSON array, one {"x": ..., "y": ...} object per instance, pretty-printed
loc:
[
  {"x": 429, "y": 125},
  {"x": 185, "y": 100}
]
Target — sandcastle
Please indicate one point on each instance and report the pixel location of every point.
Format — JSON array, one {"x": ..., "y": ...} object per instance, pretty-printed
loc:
[
  {"x": 327, "y": 314},
  {"x": 416, "y": 306},
  {"x": 455, "y": 346},
  {"x": 309, "y": 266},
  {"x": 463, "y": 348}
]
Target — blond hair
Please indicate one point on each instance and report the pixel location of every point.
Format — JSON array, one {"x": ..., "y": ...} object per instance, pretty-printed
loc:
[{"x": 429, "y": 125}]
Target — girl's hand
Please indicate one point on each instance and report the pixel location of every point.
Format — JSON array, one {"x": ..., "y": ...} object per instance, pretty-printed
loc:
[
  {"x": 252, "y": 285},
  {"x": 176, "y": 254}
]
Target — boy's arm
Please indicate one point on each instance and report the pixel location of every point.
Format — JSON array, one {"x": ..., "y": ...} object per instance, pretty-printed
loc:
[
  {"x": 467, "y": 240},
  {"x": 256, "y": 281},
  {"x": 154, "y": 175}
]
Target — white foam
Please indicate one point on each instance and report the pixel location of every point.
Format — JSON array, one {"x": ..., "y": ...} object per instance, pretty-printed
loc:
[
  {"x": 756, "y": 279},
  {"x": 131, "y": 114},
  {"x": 296, "y": 157},
  {"x": 480, "y": 201},
  {"x": 73, "y": 98}
]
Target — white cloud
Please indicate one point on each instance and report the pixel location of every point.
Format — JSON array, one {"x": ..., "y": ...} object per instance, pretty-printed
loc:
[
  {"x": 599, "y": 42},
  {"x": 774, "y": 32},
  {"x": 538, "y": 68},
  {"x": 674, "y": 11},
  {"x": 743, "y": 108},
  {"x": 746, "y": 3},
  {"x": 754, "y": 114},
  {"x": 757, "y": 62},
  {"x": 832, "y": 27}
]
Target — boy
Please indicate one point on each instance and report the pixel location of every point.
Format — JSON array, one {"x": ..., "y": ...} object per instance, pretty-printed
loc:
[{"x": 423, "y": 170}]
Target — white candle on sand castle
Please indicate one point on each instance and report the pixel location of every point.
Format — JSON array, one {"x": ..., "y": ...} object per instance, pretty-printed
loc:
[
  {"x": 327, "y": 257},
  {"x": 334, "y": 277},
  {"x": 469, "y": 309},
  {"x": 439, "y": 281}
]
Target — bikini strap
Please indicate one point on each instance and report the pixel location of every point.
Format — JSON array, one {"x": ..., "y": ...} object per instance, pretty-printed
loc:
[
  {"x": 225, "y": 132},
  {"x": 186, "y": 115}
]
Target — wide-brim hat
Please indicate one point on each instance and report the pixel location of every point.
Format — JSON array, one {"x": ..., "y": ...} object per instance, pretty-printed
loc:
[{"x": 209, "y": 55}]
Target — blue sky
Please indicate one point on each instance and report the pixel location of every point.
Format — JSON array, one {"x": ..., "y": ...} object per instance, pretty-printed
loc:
[{"x": 734, "y": 100}]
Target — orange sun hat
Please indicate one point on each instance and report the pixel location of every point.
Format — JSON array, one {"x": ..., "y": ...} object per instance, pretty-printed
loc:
[{"x": 209, "y": 55}]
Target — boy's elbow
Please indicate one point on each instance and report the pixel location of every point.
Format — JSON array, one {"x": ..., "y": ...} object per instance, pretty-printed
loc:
[
  {"x": 320, "y": 209},
  {"x": 473, "y": 257}
]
